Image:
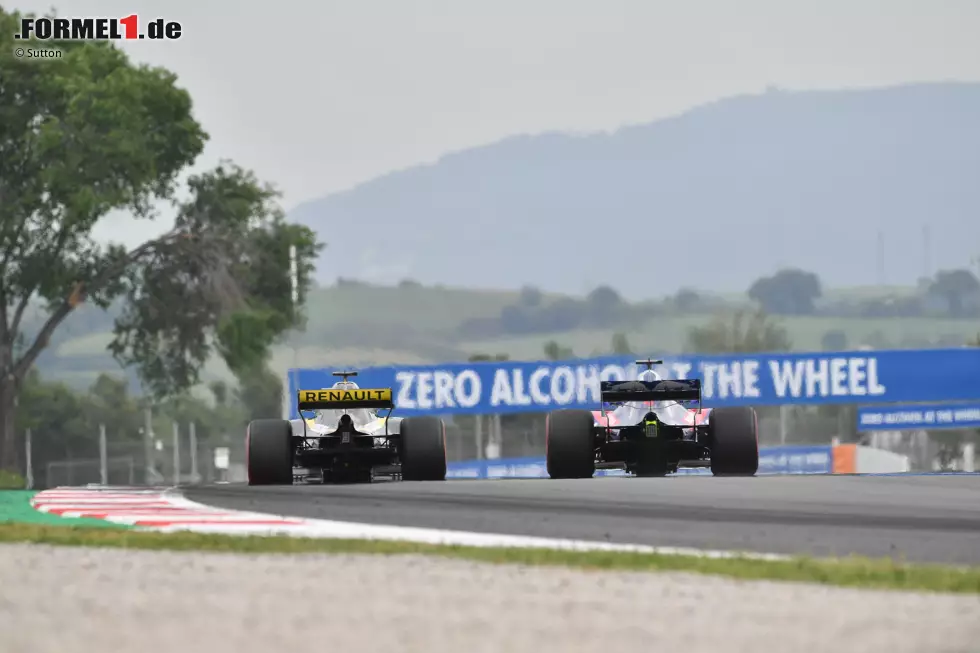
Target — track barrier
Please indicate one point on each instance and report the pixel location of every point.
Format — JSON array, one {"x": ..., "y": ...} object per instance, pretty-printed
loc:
[{"x": 841, "y": 459}]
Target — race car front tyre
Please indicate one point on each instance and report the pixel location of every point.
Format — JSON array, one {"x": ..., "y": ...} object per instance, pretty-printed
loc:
[
  {"x": 269, "y": 452},
  {"x": 569, "y": 440},
  {"x": 734, "y": 436},
  {"x": 423, "y": 449}
]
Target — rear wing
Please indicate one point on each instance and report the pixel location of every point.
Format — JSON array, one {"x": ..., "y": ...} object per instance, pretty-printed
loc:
[
  {"x": 666, "y": 390},
  {"x": 344, "y": 398}
]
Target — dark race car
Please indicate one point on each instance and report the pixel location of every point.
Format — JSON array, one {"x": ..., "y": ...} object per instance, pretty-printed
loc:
[{"x": 642, "y": 428}]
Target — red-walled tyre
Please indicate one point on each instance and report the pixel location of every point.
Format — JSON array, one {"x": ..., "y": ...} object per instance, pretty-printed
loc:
[
  {"x": 569, "y": 437},
  {"x": 734, "y": 436}
]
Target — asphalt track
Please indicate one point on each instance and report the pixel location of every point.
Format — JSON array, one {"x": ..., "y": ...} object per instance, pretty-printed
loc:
[{"x": 922, "y": 518}]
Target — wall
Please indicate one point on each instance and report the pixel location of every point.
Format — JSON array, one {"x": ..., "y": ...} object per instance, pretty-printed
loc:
[
  {"x": 879, "y": 461},
  {"x": 842, "y": 459}
]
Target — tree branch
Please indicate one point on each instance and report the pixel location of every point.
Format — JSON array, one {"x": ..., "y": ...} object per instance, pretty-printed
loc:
[
  {"x": 18, "y": 228},
  {"x": 78, "y": 295},
  {"x": 4, "y": 324},
  {"x": 19, "y": 313},
  {"x": 29, "y": 292},
  {"x": 116, "y": 270}
]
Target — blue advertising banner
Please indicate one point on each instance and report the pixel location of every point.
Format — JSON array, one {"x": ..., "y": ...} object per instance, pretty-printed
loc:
[
  {"x": 772, "y": 460},
  {"x": 919, "y": 416},
  {"x": 851, "y": 377}
]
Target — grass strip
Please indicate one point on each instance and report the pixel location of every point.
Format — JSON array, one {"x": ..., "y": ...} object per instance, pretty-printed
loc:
[
  {"x": 15, "y": 507},
  {"x": 846, "y": 572}
]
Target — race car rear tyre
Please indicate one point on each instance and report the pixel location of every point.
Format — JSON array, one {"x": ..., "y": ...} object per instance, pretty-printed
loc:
[
  {"x": 423, "y": 449},
  {"x": 569, "y": 440},
  {"x": 269, "y": 452},
  {"x": 734, "y": 436}
]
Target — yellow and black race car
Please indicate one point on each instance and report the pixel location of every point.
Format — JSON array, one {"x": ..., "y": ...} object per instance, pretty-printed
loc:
[{"x": 343, "y": 436}]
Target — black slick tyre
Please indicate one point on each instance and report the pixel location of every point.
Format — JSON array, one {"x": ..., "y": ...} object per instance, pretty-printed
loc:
[
  {"x": 569, "y": 440},
  {"x": 269, "y": 452},
  {"x": 423, "y": 449},
  {"x": 734, "y": 437}
]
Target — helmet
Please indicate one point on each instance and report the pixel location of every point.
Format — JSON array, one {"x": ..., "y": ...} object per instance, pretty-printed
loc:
[
  {"x": 345, "y": 385},
  {"x": 649, "y": 375}
]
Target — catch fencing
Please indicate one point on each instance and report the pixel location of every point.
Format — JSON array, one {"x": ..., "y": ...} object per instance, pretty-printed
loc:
[
  {"x": 495, "y": 410},
  {"x": 477, "y": 447},
  {"x": 521, "y": 435},
  {"x": 139, "y": 459}
]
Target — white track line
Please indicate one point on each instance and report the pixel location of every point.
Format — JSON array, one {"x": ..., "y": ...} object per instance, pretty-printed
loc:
[{"x": 166, "y": 510}]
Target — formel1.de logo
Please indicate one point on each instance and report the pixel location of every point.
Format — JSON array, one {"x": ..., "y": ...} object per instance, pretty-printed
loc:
[{"x": 98, "y": 29}]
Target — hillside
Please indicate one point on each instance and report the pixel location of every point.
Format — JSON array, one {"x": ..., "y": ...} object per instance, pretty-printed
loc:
[
  {"x": 713, "y": 199},
  {"x": 359, "y": 324}
]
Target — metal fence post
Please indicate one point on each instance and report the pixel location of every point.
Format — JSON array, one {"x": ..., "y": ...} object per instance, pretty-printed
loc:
[
  {"x": 783, "y": 423},
  {"x": 479, "y": 437},
  {"x": 29, "y": 480},
  {"x": 150, "y": 470},
  {"x": 193, "y": 444},
  {"x": 103, "y": 457},
  {"x": 176, "y": 454}
]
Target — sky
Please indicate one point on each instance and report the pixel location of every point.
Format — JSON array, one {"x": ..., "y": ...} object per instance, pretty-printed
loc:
[{"x": 319, "y": 95}]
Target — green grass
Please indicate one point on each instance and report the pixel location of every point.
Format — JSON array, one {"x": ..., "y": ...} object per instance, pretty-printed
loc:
[
  {"x": 849, "y": 572},
  {"x": 16, "y": 512}
]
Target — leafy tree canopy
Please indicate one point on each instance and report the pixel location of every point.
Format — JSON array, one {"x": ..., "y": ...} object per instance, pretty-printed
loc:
[
  {"x": 555, "y": 352},
  {"x": 959, "y": 289},
  {"x": 788, "y": 292},
  {"x": 88, "y": 133},
  {"x": 621, "y": 344}
]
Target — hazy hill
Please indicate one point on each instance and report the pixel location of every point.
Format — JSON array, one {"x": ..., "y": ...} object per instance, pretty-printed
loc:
[{"x": 713, "y": 198}]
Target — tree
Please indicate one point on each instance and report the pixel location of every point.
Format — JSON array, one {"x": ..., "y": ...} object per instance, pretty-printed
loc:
[
  {"x": 109, "y": 403},
  {"x": 604, "y": 299},
  {"x": 531, "y": 297},
  {"x": 481, "y": 358},
  {"x": 620, "y": 344},
  {"x": 516, "y": 319},
  {"x": 834, "y": 340},
  {"x": 555, "y": 352},
  {"x": 88, "y": 133},
  {"x": 738, "y": 333},
  {"x": 788, "y": 292},
  {"x": 260, "y": 392},
  {"x": 55, "y": 414},
  {"x": 219, "y": 390},
  {"x": 686, "y": 300},
  {"x": 959, "y": 290},
  {"x": 65, "y": 424},
  {"x": 564, "y": 314}
]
